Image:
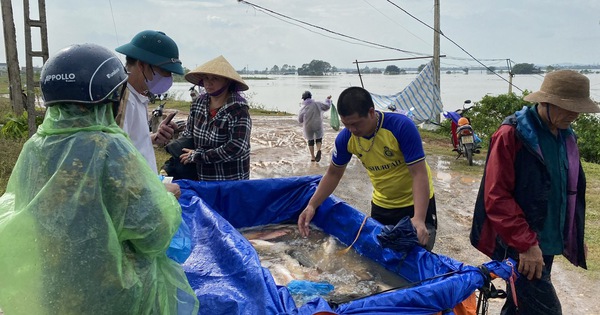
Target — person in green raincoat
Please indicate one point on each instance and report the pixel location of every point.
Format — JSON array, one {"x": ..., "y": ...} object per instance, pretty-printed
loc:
[{"x": 85, "y": 223}]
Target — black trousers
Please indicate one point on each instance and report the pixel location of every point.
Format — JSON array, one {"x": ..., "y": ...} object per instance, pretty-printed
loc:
[
  {"x": 534, "y": 296},
  {"x": 393, "y": 216}
]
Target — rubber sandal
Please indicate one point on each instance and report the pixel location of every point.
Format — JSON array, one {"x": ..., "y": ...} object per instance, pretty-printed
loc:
[{"x": 318, "y": 157}]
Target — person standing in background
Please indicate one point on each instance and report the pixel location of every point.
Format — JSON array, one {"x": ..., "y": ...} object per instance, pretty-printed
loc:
[
  {"x": 531, "y": 201},
  {"x": 311, "y": 118}
]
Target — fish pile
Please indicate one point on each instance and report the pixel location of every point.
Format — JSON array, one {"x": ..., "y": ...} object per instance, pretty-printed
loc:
[{"x": 316, "y": 260}]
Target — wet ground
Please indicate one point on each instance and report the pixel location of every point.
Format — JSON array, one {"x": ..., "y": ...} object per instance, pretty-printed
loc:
[{"x": 279, "y": 150}]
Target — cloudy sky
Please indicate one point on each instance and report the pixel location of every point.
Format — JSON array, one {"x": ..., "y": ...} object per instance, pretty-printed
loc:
[{"x": 526, "y": 31}]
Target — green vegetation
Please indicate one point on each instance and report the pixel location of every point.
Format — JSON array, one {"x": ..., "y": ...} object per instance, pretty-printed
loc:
[
  {"x": 393, "y": 70},
  {"x": 184, "y": 107},
  {"x": 525, "y": 68},
  {"x": 487, "y": 115},
  {"x": 315, "y": 67}
]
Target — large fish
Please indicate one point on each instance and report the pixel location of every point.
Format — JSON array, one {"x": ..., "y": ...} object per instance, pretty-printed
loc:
[{"x": 267, "y": 232}]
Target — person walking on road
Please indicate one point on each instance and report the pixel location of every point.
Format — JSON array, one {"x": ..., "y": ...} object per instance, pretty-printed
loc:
[{"x": 311, "y": 118}]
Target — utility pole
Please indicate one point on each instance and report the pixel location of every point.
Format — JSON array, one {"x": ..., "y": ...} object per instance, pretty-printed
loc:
[
  {"x": 436, "y": 47},
  {"x": 510, "y": 75},
  {"x": 30, "y": 54},
  {"x": 12, "y": 58}
]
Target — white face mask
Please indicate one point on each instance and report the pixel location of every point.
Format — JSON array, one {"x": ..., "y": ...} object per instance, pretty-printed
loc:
[{"x": 159, "y": 84}]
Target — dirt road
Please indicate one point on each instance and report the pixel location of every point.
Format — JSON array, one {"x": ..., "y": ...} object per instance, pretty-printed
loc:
[{"x": 279, "y": 150}]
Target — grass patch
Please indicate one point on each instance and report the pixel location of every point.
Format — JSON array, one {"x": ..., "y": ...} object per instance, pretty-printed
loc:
[
  {"x": 11, "y": 148},
  {"x": 592, "y": 223}
]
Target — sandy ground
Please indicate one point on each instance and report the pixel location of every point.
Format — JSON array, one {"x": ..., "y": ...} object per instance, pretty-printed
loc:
[{"x": 279, "y": 150}]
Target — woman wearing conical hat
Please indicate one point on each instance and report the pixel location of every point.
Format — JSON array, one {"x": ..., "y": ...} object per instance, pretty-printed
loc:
[{"x": 220, "y": 124}]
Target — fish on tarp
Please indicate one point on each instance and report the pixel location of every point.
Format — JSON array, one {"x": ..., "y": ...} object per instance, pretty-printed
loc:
[
  {"x": 289, "y": 256},
  {"x": 268, "y": 248},
  {"x": 301, "y": 257},
  {"x": 281, "y": 274},
  {"x": 267, "y": 232}
]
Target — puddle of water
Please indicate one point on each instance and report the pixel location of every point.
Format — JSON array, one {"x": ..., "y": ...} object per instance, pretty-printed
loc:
[{"x": 317, "y": 259}]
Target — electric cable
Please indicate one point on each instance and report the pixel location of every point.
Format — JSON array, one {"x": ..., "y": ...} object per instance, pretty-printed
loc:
[
  {"x": 257, "y": 7},
  {"x": 114, "y": 23},
  {"x": 453, "y": 42}
]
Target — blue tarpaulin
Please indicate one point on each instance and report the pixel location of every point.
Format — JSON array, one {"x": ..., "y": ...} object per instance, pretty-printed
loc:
[{"x": 225, "y": 272}]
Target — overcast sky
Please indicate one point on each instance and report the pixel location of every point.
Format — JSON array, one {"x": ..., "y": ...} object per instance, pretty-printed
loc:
[{"x": 525, "y": 31}]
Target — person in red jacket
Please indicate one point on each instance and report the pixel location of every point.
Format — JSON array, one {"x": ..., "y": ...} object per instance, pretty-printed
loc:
[{"x": 531, "y": 202}]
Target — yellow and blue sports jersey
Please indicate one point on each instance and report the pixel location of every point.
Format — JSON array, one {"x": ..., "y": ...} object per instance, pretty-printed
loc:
[{"x": 396, "y": 145}]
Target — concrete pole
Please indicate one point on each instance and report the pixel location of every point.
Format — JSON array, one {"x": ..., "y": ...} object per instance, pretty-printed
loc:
[{"x": 12, "y": 58}]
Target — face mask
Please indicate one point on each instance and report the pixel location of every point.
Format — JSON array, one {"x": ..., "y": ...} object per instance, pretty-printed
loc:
[{"x": 159, "y": 84}]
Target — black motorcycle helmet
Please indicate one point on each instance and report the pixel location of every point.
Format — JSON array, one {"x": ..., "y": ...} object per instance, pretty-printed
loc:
[
  {"x": 84, "y": 74},
  {"x": 306, "y": 95}
]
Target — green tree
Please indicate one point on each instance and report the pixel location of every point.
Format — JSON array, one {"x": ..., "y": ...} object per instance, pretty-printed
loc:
[
  {"x": 491, "y": 70},
  {"x": 274, "y": 70},
  {"x": 525, "y": 68},
  {"x": 315, "y": 67},
  {"x": 392, "y": 70},
  {"x": 487, "y": 114},
  {"x": 421, "y": 67}
]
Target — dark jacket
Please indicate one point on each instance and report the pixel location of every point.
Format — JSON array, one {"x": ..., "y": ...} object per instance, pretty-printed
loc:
[{"x": 512, "y": 202}]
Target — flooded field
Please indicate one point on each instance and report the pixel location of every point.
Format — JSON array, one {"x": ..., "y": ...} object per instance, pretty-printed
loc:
[{"x": 318, "y": 265}]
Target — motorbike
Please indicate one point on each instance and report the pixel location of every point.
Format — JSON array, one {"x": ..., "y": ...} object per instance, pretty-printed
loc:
[
  {"x": 464, "y": 139},
  {"x": 157, "y": 116}
]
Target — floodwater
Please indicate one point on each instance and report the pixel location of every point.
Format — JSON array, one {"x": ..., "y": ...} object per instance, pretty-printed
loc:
[
  {"x": 338, "y": 276},
  {"x": 282, "y": 92}
]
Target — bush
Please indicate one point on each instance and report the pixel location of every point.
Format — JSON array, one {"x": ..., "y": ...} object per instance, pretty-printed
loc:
[
  {"x": 487, "y": 115},
  {"x": 18, "y": 127},
  {"x": 586, "y": 128}
]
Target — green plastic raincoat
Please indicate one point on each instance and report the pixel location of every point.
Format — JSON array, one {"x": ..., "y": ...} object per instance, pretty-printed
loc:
[{"x": 85, "y": 224}]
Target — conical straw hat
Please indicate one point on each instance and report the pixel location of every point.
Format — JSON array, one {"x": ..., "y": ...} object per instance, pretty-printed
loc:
[{"x": 220, "y": 67}]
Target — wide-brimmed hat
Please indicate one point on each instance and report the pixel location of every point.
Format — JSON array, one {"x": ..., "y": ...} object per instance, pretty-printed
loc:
[
  {"x": 566, "y": 89},
  {"x": 154, "y": 48},
  {"x": 220, "y": 67}
]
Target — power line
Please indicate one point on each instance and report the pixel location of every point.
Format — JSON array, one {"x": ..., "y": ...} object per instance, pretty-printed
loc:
[
  {"x": 395, "y": 22},
  {"x": 453, "y": 42},
  {"x": 312, "y": 31},
  {"x": 257, "y": 7},
  {"x": 114, "y": 23}
]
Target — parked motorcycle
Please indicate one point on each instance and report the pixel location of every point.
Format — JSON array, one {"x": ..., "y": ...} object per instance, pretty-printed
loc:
[{"x": 464, "y": 139}]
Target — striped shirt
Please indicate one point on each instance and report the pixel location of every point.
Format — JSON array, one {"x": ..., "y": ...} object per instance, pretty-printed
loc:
[{"x": 223, "y": 141}]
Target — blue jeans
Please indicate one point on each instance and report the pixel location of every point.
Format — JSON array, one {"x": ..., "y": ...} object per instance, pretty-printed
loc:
[{"x": 534, "y": 296}]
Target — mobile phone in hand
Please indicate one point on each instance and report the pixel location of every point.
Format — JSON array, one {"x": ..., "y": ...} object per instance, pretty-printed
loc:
[{"x": 170, "y": 117}]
